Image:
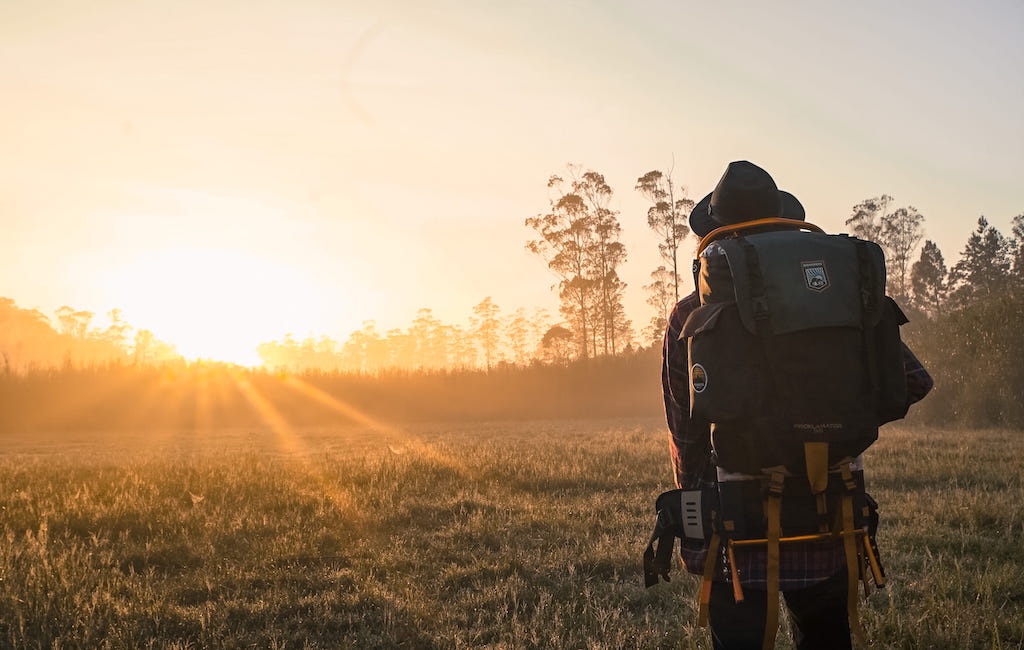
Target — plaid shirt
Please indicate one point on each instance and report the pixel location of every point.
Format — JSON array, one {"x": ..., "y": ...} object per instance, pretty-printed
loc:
[{"x": 800, "y": 564}]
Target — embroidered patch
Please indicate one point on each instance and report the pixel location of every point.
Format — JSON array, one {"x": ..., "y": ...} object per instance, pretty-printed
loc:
[
  {"x": 815, "y": 277},
  {"x": 698, "y": 378}
]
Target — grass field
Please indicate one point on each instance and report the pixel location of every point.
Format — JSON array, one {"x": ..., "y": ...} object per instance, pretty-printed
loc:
[{"x": 524, "y": 535}]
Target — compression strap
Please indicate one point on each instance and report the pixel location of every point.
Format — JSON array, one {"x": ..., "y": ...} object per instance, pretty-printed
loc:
[
  {"x": 876, "y": 566},
  {"x": 816, "y": 464},
  {"x": 852, "y": 556},
  {"x": 774, "y": 516},
  {"x": 734, "y": 573},
  {"x": 710, "y": 561}
]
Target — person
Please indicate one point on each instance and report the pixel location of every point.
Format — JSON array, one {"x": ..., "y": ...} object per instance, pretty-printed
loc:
[{"x": 812, "y": 575}]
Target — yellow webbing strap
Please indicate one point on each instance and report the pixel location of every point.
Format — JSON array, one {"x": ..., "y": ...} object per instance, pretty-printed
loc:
[
  {"x": 816, "y": 461},
  {"x": 876, "y": 568},
  {"x": 773, "y": 512},
  {"x": 816, "y": 464},
  {"x": 737, "y": 587},
  {"x": 823, "y": 525},
  {"x": 710, "y": 561},
  {"x": 852, "y": 556}
]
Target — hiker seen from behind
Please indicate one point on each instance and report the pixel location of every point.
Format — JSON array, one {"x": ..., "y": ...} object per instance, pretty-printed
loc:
[{"x": 778, "y": 371}]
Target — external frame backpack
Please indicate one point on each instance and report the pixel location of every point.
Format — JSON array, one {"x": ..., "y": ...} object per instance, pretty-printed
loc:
[{"x": 794, "y": 362}]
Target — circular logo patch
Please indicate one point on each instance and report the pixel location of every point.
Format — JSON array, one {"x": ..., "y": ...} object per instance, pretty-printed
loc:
[{"x": 698, "y": 378}]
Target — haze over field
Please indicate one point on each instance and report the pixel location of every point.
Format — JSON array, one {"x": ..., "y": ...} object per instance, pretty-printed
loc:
[{"x": 226, "y": 173}]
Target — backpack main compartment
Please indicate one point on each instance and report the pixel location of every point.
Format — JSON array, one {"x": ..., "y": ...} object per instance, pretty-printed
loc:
[{"x": 794, "y": 342}]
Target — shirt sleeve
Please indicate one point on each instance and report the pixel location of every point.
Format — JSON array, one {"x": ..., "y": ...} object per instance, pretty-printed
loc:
[
  {"x": 919, "y": 382},
  {"x": 690, "y": 442}
]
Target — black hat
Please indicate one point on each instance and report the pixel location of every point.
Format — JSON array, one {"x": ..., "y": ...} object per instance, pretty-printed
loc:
[{"x": 745, "y": 192}]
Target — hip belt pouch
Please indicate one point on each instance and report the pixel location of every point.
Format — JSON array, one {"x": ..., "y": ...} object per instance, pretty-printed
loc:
[{"x": 687, "y": 514}]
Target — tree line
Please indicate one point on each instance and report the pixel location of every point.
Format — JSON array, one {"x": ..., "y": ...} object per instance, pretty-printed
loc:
[
  {"x": 30, "y": 340},
  {"x": 490, "y": 339}
]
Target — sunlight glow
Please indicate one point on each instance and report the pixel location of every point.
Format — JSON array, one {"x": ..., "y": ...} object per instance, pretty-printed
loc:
[{"x": 215, "y": 303}]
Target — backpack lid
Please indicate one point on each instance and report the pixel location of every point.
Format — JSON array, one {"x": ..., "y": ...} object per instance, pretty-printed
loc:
[{"x": 809, "y": 280}]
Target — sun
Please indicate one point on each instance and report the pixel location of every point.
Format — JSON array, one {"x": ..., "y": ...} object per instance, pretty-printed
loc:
[{"x": 215, "y": 303}]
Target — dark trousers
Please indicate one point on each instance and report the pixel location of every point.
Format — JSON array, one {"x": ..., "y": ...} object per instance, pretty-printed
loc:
[{"x": 817, "y": 616}]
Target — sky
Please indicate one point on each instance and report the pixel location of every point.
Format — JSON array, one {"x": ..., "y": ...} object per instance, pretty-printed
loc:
[{"x": 228, "y": 172}]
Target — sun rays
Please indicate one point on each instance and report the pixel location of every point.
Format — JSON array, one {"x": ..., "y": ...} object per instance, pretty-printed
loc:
[
  {"x": 199, "y": 408},
  {"x": 291, "y": 441}
]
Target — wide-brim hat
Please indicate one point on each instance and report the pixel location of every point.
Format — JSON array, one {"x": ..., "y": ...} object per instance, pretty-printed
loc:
[{"x": 745, "y": 192}]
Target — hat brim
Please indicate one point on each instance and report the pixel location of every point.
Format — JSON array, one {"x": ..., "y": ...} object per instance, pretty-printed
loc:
[
  {"x": 701, "y": 222},
  {"x": 791, "y": 207}
]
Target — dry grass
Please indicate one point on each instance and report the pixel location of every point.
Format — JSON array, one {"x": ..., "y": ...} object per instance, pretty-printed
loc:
[{"x": 465, "y": 536}]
